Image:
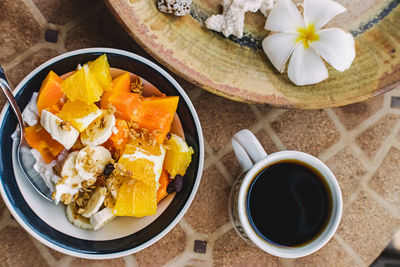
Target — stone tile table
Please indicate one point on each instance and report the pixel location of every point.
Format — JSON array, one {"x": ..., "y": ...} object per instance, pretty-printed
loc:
[{"x": 360, "y": 143}]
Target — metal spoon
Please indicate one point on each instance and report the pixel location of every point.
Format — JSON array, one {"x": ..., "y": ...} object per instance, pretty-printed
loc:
[{"x": 24, "y": 156}]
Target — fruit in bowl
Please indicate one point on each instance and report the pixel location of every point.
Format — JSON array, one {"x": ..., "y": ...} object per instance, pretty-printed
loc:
[{"x": 106, "y": 146}]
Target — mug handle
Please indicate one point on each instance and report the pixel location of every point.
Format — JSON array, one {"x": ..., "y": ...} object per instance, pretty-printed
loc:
[{"x": 247, "y": 148}]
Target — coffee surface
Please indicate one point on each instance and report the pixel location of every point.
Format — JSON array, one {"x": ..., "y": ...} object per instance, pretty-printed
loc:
[{"x": 288, "y": 204}]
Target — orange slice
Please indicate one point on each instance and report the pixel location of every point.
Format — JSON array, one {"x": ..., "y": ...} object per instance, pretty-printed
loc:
[
  {"x": 101, "y": 70},
  {"x": 79, "y": 114},
  {"x": 82, "y": 86},
  {"x": 135, "y": 198},
  {"x": 143, "y": 161},
  {"x": 178, "y": 156}
]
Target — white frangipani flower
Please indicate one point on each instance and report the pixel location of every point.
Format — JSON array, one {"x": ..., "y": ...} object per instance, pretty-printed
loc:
[{"x": 305, "y": 41}]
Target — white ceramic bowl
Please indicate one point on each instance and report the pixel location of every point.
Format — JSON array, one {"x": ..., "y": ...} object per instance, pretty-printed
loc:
[{"x": 46, "y": 221}]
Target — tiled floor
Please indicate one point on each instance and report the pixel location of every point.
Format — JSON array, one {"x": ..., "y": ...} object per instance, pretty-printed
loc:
[{"x": 361, "y": 143}]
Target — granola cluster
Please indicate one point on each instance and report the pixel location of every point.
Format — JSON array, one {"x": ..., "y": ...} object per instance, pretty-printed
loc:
[
  {"x": 137, "y": 86},
  {"x": 144, "y": 134}
]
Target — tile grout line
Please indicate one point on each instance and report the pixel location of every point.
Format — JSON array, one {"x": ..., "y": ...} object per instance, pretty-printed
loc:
[
  {"x": 382, "y": 201},
  {"x": 266, "y": 121},
  {"x": 207, "y": 257},
  {"x": 365, "y": 161},
  {"x": 27, "y": 53},
  {"x": 339, "y": 126},
  {"x": 38, "y": 16},
  {"x": 349, "y": 137},
  {"x": 332, "y": 150},
  {"x": 209, "y": 156},
  {"x": 130, "y": 261},
  {"x": 223, "y": 229},
  {"x": 370, "y": 165},
  {"x": 274, "y": 114},
  {"x": 4, "y": 223},
  {"x": 274, "y": 137},
  {"x": 182, "y": 259},
  {"x": 373, "y": 165},
  {"x": 225, "y": 173},
  {"x": 255, "y": 128},
  {"x": 75, "y": 21},
  {"x": 371, "y": 170},
  {"x": 65, "y": 261},
  {"x": 256, "y": 112},
  {"x": 357, "y": 259},
  {"x": 396, "y": 144},
  {"x": 187, "y": 228},
  {"x": 287, "y": 262},
  {"x": 7, "y": 220},
  {"x": 387, "y": 143},
  {"x": 191, "y": 236},
  {"x": 43, "y": 250},
  {"x": 367, "y": 123},
  {"x": 381, "y": 153}
]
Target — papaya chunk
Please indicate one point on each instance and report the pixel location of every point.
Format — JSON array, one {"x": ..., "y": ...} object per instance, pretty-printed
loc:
[
  {"x": 50, "y": 94},
  {"x": 158, "y": 114},
  {"x": 39, "y": 139},
  {"x": 119, "y": 138},
  {"x": 128, "y": 105},
  {"x": 120, "y": 84}
]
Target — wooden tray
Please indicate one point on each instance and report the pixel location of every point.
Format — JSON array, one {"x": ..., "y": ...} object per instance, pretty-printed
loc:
[{"x": 238, "y": 69}]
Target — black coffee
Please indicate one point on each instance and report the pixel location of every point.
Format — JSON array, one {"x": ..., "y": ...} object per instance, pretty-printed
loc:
[{"x": 288, "y": 203}]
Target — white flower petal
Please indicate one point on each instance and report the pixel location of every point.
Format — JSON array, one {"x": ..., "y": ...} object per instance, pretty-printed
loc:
[
  {"x": 284, "y": 17},
  {"x": 336, "y": 47},
  {"x": 319, "y": 12},
  {"x": 306, "y": 67},
  {"x": 278, "y": 47}
]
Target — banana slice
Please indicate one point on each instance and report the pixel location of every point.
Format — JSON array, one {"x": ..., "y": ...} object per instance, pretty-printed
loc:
[
  {"x": 91, "y": 161},
  {"x": 68, "y": 167},
  {"x": 102, "y": 218},
  {"x": 76, "y": 219},
  {"x": 95, "y": 202},
  {"x": 59, "y": 130},
  {"x": 99, "y": 130}
]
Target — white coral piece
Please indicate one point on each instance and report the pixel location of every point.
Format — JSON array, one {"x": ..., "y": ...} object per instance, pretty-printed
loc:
[
  {"x": 232, "y": 19},
  {"x": 176, "y": 7}
]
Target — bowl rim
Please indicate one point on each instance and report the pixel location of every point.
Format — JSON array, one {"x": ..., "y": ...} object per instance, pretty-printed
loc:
[{"x": 198, "y": 177}]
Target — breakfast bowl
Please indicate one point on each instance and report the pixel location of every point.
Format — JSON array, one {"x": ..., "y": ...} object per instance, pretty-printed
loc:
[{"x": 46, "y": 221}]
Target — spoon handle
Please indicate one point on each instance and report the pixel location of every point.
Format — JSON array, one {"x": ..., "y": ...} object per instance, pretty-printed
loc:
[{"x": 5, "y": 87}]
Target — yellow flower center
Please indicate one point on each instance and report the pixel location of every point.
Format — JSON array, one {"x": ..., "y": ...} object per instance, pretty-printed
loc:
[{"x": 307, "y": 35}]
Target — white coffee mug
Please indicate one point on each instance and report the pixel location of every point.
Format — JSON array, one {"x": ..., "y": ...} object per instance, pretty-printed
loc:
[{"x": 253, "y": 158}]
